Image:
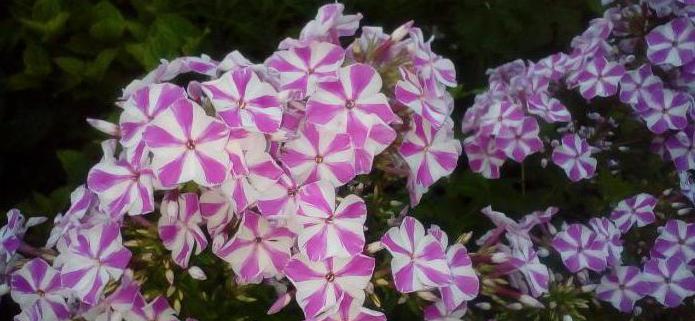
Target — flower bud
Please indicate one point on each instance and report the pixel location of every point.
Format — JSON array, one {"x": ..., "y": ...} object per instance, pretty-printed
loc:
[
  {"x": 279, "y": 304},
  {"x": 483, "y": 306},
  {"x": 567, "y": 317},
  {"x": 197, "y": 273},
  {"x": 375, "y": 247},
  {"x": 516, "y": 306},
  {"x": 402, "y": 31},
  {"x": 530, "y": 301},
  {"x": 169, "y": 274},
  {"x": 427, "y": 296},
  {"x": 499, "y": 257}
]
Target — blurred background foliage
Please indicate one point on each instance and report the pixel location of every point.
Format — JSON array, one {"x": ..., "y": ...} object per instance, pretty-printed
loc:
[{"x": 65, "y": 60}]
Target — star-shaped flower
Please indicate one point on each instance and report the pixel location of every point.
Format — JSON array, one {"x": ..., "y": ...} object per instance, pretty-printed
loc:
[
  {"x": 672, "y": 43},
  {"x": 580, "y": 248},
  {"x": 666, "y": 109},
  {"x": 424, "y": 101},
  {"x": 600, "y": 77},
  {"x": 681, "y": 148},
  {"x": 179, "y": 226},
  {"x": 483, "y": 156},
  {"x": 521, "y": 141},
  {"x": 670, "y": 280},
  {"x": 37, "y": 286},
  {"x": 301, "y": 68},
  {"x": 676, "y": 239},
  {"x": 638, "y": 209},
  {"x": 622, "y": 287},
  {"x": 574, "y": 156},
  {"x": 464, "y": 284}
]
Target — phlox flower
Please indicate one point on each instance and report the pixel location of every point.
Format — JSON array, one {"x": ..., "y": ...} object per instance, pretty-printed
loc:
[
  {"x": 119, "y": 305},
  {"x": 327, "y": 230},
  {"x": 434, "y": 68},
  {"x": 94, "y": 256},
  {"x": 323, "y": 285},
  {"x": 548, "y": 108},
  {"x": 242, "y": 100},
  {"x": 379, "y": 137},
  {"x": 329, "y": 25},
  {"x": 438, "y": 312},
  {"x": 123, "y": 186},
  {"x": 670, "y": 280},
  {"x": 534, "y": 274},
  {"x": 216, "y": 209},
  {"x": 419, "y": 261},
  {"x": 280, "y": 198},
  {"x": 142, "y": 107},
  {"x": 168, "y": 70},
  {"x": 12, "y": 233},
  {"x": 81, "y": 201},
  {"x": 188, "y": 146},
  {"x": 430, "y": 153},
  {"x": 413, "y": 92},
  {"x": 676, "y": 239},
  {"x": 580, "y": 248},
  {"x": 464, "y": 284},
  {"x": 552, "y": 67},
  {"x": 320, "y": 153},
  {"x": 638, "y": 209},
  {"x": 521, "y": 141},
  {"x": 301, "y": 68},
  {"x": 600, "y": 77},
  {"x": 343, "y": 104},
  {"x": 259, "y": 171},
  {"x": 638, "y": 85},
  {"x": 258, "y": 249},
  {"x": 666, "y": 109},
  {"x": 622, "y": 287},
  {"x": 179, "y": 228},
  {"x": 352, "y": 310},
  {"x": 37, "y": 286},
  {"x": 672, "y": 43},
  {"x": 500, "y": 116},
  {"x": 681, "y": 148},
  {"x": 574, "y": 156},
  {"x": 483, "y": 156},
  {"x": 157, "y": 310},
  {"x": 608, "y": 233}
]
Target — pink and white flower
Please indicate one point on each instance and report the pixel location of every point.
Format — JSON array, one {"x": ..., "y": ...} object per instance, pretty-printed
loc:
[
  {"x": 622, "y": 287},
  {"x": 94, "y": 256},
  {"x": 500, "y": 116},
  {"x": 638, "y": 209},
  {"x": 36, "y": 286},
  {"x": 672, "y": 43},
  {"x": 323, "y": 285},
  {"x": 548, "y": 108},
  {"x": 681, "y": 148},
  {"x": 608, "y": 233},
  {"x": 580, "y": 248},
  {"x": 188, "y": 146},
  {"x": 12, "y": 233},
  {"x": 379, "y": 137},
  {"x": 216, "y": 209},
  {"x": 483, "y": 156},
  {"x": 521, "y": 141},
  {"x": 424, "y": 101},
  {"x": 439, "y": 312},
  {"x": 320, "y": 153},
  {"x": 670, "y": 280},
  {"x": 301, "y": 68},
  {"x": 352, "y": 310},
  {"x": 329, "y": 25},
  {"x": 179, "y": 226},
  {"x": 258, "y": 249},
  {"x": 574, "y": 156},
  {"x": 434, "y": 68},
  {"x": 419, "y": 262},
  {"x": 158, "y": 310},
  {"x": 242, "y": 100},
  {"x": 666, "y": 109},
  {"x": 280, "y": 199},
  {"x": 327, "y": 230},
  {"x": 676, "y": 239},
  {"x": 639, "y": 85},
  {"x": 464, "y": 284},
  {"x": 600, "y": 77}
]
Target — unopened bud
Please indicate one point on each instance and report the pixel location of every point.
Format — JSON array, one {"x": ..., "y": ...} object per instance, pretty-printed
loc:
[
  {"x": 483, "y": 306},
  {"x": 499, "y": 257},
  {"x": 684, "y": 211},
  {"x": 589, "y": 288},
  {"x": 637, "y": 311},
  {"x": 375, "y": 247},
  {"x": 197, "y": 273},
  {"x": 169, "y": 274},
  {"x": 516, "y": 306},
  {"x": 531, "y": 301},
  {"x": 567, "y": 317},
  {"x": 667, "y": 192},
  {"x": 402, "y": 31},
  {"x": 279, "y": 304},
  {"x": 544, "y": 162},
  {"x": 623, "y": 148},
  {"x": 170, "y": 290},
  {"x": 543, "y": 252},
  {"x": 427, "y": 296}
]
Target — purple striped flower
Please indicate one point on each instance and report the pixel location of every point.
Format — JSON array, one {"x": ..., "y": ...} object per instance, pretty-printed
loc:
[
  {"x": 574, "y": 157},
  {"x": 672, "y": 43},
  {"x": 519, "y": 142},
  {"x": 528, "y": 273},
  {"x": 258, "y": 249},
  {"x": 439, "y": 312},
  {"x": 666, "y": 109},
  {"x": 11, "y": 234},
  {"x": 157, "y": 310},
  {"x": 580, "y": 248},
  {"x": 216, "y": 209},
  {"x": 121, "y": 304},
  {"x": 280, "y": 199},
  {"x": 327, "y": 230},
  {"x": 179, "y": 227},
  {"x": 681, "y": 148},
  {"x": 320, "y": 153},
  {"x": 36, "y": 286},
  {"x": 413, "y": 92},
  {"x": 352, "y": 310},
  {"x": 343, "y": 104},
  {"x": 638, "y": 209},
  {"x": 301, "y": 68},
  {"x": 123, "y": 186},
  {"x": 329, "y": 25},
  {"x": 670, "y": 280},
  {"x": 430, "y": 153},
  {"x": 608, "y": 233},
  {"x": 553, "y": 66},
  {"x": 464, "y": 284},
  {"x": 600, "y": 77},
  {"x": 419, "y": 261},
  {"x": 188, "y": 146},
  {"x": 435, "y": 69},
  {"x": 379, "y": 137},
  {"x": 622, "y": 287},
  {"x": 500, "y": 116},
  {"x": 142, "y": 107},
  {"x": 639, "y": 85},
  {"x": 81, "y": 201},
  {"x": 244, "y": 101},
  {"x": 548, "y": 108},
  {"x": 676, "y": 239},
  {"x": 483, "y": 156},
  {"x": 323, "y": 285},
  {"x": 94, "y": 257}
]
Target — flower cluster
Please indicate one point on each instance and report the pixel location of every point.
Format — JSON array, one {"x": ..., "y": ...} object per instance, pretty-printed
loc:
[{"x": 251, "y": 159}]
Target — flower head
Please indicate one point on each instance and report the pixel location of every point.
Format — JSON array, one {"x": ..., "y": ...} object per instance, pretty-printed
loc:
[{"x": 464, "y": 284}]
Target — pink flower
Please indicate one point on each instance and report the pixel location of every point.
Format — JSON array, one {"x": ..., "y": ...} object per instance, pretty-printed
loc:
[
  {"x": 343, "y": 104},
  {"x": 670, "y": 280},
  {"x": 81, "y": 201},
  {"x": 600, "y": 77},
  {"x": 483, "y": 156},
  {"x": 301, "y": 68},
  {"x": 434, "y": 69},
  {"x": 439, "y": 312},
  {"x": 580, "y": 249},
  {"x": 666, "y": 109},
  {"x": 329, "y": 25},
  {"x": 431, "y": 153},
  {"x": 12, "y": 233},
  {"x": 681, "y": 148},
  {"x": 672, "y": 43},
  {"x": 638, "y": 85},
  {"x": 94, "y": 256},
  {"x": 120, "y": 304},
  {"x": 123, "y": 186},
  {"x": 548, "y": 108},
  {"x": 574, "y": 156},
  {"x": 622, "y": 287},
  {"x": 521, "y": 141},
  {"x": 638, "y": 209},
  {"x": 500, "y": 116},
  {"x": 188, "y": 146},
  {"x": 608, "y": 233},
  {"x": 158, "y": 310},
  {"x": 676, "y": 239},
  {"x": 323, "y": 285},
  {"x": 36, "y": 286},
  {"x": 419, "y": 262},
  {"x": 379, "y": 137},
  {"x": 424, "y": 101},
  {"x": 142, "y": 107},
  {"x": 320, "y": 154},
  {"x": 258, "y": 249},
  {"x": 259, "y": 171},
  {"x": 464, "y": 284},
  {"x": 327, "y": 230},
  {"x": 216, "y": 209},
  {"x": 244, "y": 101},
  {"x": 352, "y": 310},
  {"x": 179, "y": 226},
  {"x": 280, "y": 199}
]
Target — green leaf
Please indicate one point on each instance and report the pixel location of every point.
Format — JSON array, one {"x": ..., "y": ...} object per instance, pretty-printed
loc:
[
  {"x": 98, "y": 67},
  {"x": 36, "y": 61},
  {"x": 75, "y": 165},
  {"x": 22, "y": 81},
  {"x": 70, "y": 65},
  {"x": 109, "y": 22},
  {"x": 44, "y": 10}
]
